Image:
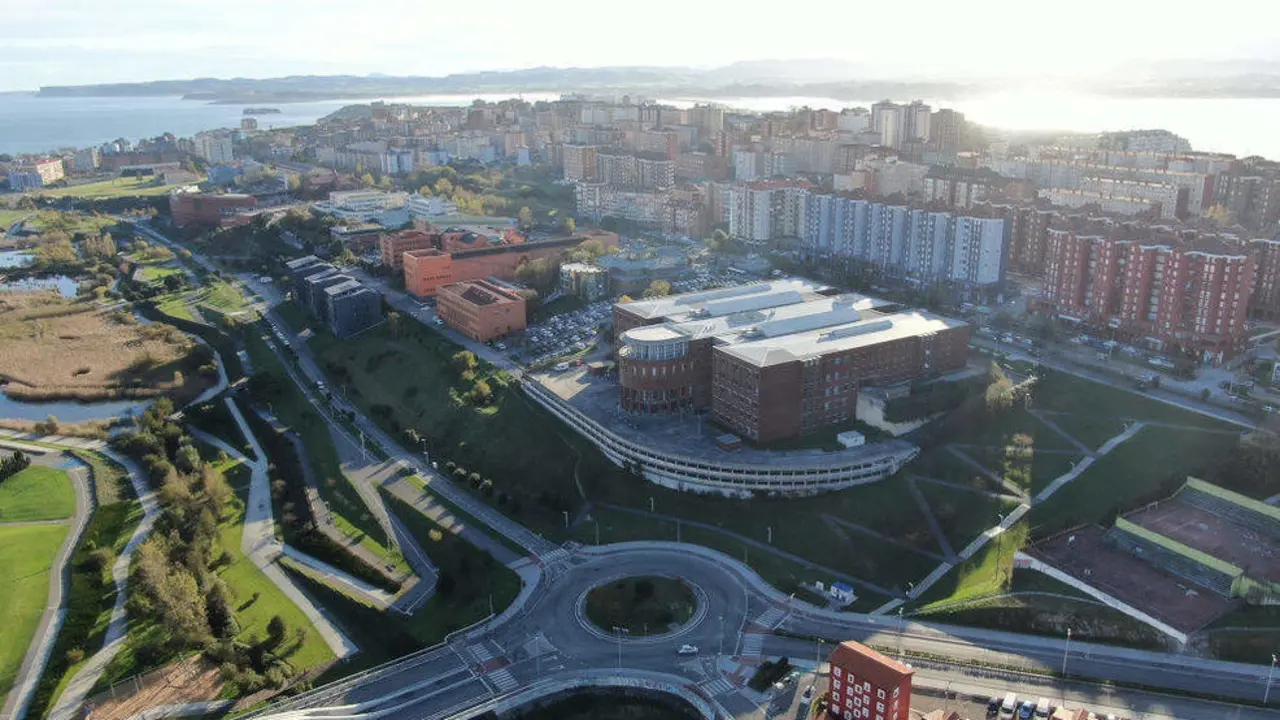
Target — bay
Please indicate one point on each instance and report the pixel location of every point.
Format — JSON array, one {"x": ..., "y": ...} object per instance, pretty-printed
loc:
[{"x": 1241, "y": 126}]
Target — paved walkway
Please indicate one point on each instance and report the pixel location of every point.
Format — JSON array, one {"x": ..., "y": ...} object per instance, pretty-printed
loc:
[
  {"x": 934, "y": 526},
  {"x": 55, "y": 612}
]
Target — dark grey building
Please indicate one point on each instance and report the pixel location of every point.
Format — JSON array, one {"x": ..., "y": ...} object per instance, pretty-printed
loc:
[
  {"x": 352, "y": 308},
  {"x": 312, "y": 296}
]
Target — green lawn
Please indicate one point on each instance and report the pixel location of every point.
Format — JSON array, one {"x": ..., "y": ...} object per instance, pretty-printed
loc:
[
  {"x": 988, "y": 572},
  {"x": 1089, "y": 621},
  {"x": 1149, "y": 466},
  {"x": 293, "y": 409},
  {"x": 90, "y": 601},
  {"x": 26, "y": 558},
  {"x": 221, "y": 296},
  {"x": 176, "y": 305},
  {"x": 70, "y": 223},
  {"x": 963, "y": 514},
  {"x": 641, "y": 605},
  {"x": 113, "y": 188},
  {"x": 1032, "y": 473},
  {"x": 9, "y": 217},
  {"x": 37, "y": 493},
  {"x": 157, "y": 273},
  {"x": 256, "y": 598},
  {"x": 474, "y": 578}
]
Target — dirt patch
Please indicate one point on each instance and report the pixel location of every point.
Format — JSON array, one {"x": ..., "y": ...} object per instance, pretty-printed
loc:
[
  {"x": 186, "y": 681},
  {"x": 54, "y": 348}
]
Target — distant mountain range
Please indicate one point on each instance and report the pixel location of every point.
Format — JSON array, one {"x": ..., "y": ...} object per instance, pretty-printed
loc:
[{"x": 837, "y": 79}]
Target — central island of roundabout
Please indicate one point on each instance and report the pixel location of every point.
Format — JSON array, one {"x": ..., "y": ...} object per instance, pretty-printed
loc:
[{"x": 642, "y": 606}]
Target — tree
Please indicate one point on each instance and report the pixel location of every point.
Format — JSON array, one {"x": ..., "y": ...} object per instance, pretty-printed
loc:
[
  {"x": 293, "y": 182},
  {"x": 526, "y": 217},
  {"x": 394, "y": 325},
  {"x": 999, "y": 394},
  {"x": 276, "y": 631},
  {"x": 48, "y": 427},
  {"x": 465, "y": 361},
  {"x": 366, "y": 180},
  {"x": 481, "y": 393},
  {"x": 425, "y": 191},
  {"x": 386, "y": 183},
  {"x": 444, "y": 188},
  {"x": 571, "y": 226},
  {"x": 658, "y": 288}
]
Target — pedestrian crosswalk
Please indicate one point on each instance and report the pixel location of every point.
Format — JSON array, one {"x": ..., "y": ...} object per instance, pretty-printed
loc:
[
  {"x": 770, "y": 618},
  {"x": 480, "y": 653},
  {"x": 752, "y": 644},
  {"x": 717, "y": 686},
  {"x": 555, "y": 557},
  {"x": 503, "y": 680}
]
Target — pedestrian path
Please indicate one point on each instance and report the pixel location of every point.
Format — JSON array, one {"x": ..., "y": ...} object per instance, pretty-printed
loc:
[
  {"x": 503, "y": 680},
  {"x": 770, "y": 618}
]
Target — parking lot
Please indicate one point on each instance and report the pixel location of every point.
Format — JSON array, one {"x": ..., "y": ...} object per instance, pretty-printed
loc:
[{"x": 562, "y": 335}]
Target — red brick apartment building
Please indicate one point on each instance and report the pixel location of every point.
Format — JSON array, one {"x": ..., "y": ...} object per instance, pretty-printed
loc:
[
  {"x": 480, "y": 309},
  {"x": 775, "y": 360},
  {"x": 866, "y": 685},
  {"x": 206, "y": 210},
  {"x": 1150, "y": 287}
]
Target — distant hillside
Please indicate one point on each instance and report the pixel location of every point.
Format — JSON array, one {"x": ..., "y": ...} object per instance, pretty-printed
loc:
[{"x": 836, "y": 79}]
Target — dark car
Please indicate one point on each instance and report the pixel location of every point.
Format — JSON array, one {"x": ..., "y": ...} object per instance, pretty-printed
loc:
[{"x": 993, "y": 707}]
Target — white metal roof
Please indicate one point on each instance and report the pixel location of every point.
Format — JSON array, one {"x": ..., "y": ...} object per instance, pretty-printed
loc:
[{"x": 873, "y": 331}]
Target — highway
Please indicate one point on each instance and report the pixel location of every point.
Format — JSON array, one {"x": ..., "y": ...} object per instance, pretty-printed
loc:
[{"x": 544, "y": 636}]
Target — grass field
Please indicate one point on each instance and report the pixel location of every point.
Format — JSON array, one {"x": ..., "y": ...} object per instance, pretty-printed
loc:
[
  {"x": 55, "y": 348},
  {"x": 988, "y": 572},
  {"x": 90, "y": 601},
  {"x": 70, "y": 223},
  {"x": 640, "y": 605},
  {"x": 293, "y": 409},
  {"x": 37, "y": 493},
  {"x": 113, "y": 188},
  {"x": 256, "y": 598},
  {"x": 9, "y": 217},
  {"x": 1149, "y": 466},
  {"x": 220, "y": 296},
  {"x": 26, "y": 558},
  {"x": 963, "y": 514},
  {"x": 157, "y": 273},
  {"x": 1031, "y": 470},
  {"x": 1051, "y": 616},
  {"x": 476, "y": 578}
]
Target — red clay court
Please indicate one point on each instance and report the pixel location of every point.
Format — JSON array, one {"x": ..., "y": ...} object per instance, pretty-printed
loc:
[
  {"x": 1256, "y": 553},
  {"x": 1140, "y": 584}
]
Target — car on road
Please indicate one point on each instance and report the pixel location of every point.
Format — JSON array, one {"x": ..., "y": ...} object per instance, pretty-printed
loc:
[
  {"x": 437, "y": 321},
  {"x": 687, "y": 650}
]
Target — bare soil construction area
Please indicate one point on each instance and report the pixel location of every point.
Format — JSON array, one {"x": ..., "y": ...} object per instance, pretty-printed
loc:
[{"x": 53, "y": 348}]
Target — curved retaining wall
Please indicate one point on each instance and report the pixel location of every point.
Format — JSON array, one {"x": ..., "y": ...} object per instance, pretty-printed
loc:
[{"x": 684, "y": 472}]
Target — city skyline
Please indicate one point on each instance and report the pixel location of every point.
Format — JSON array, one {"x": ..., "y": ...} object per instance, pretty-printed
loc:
[{"x": 85, "y": 43}]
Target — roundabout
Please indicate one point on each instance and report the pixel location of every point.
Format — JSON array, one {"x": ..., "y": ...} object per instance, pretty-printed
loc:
[{"x": 641, "y": 609}]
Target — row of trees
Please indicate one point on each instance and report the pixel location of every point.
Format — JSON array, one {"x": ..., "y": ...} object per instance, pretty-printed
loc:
[
  {"x": 176, "y": 583},
  {"x": 14, "y": 464}
]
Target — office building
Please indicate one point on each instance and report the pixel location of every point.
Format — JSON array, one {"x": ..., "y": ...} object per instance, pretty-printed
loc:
[
  {"x": 392, "y": 246},
  {"x": 351, "y": 308},
  {"x": 774, "y": 360},
  {"x": 207, "y": 210},
  {"x": 215, "y": 147},
  {"x": 451, "y": 259},
  {"x": 589, "y": 282},
  {"x": 481, "y": 309},
  {"x": 866, "y": 685}
]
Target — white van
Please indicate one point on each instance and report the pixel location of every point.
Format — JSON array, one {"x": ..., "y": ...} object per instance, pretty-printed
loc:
[
  {"x": 1008, "y": 707},
  {"x": 1043, "y": 708}
]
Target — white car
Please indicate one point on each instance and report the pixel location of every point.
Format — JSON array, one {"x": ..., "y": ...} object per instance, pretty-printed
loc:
[{"x": 687, "y": 650}]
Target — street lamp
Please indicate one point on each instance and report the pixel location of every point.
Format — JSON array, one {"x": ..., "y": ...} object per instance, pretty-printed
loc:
[
  {"x": 620, "y": 631},
  {"x": 1266, "y": 695},
  {"x": 1065, "y": 649},
  {"x": 720, "y": 651},
  {"x": 566, "y": 519}
]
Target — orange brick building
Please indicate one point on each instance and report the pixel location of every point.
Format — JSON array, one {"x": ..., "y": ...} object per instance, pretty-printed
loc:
[
  {"x": 426, "y": 271},
  {"x": 866, "y": 685},
  {"x": 392, "y": 246},
  {"x": 480, "y": 309}
]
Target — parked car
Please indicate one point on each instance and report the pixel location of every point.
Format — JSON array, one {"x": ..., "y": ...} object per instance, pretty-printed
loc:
[
  {"x": 993, "y": 707},
  {"x": 687, "y": 650}
]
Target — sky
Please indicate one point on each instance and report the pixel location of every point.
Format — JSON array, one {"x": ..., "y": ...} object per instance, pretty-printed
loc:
[{"x": 67, "y": 42}]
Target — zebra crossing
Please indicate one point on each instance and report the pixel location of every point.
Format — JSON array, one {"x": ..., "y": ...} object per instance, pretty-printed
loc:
[
  {"x": 555, "y": 557},
  {"x": 771, "y": 618},
  {"x": 480, "y": 654},
  {"x": 718, "y": 686},
  {"x": 503, "y": 680},
  {"x": 752, "y": 644}
]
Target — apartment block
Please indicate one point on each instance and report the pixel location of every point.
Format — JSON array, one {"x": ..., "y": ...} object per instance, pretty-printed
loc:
[
  {"x": 393, "y": 246},
  {"x": 351, "y": 308},
  {"x": 866, "y": 685},
  {"x": 1265, "y": 302}
]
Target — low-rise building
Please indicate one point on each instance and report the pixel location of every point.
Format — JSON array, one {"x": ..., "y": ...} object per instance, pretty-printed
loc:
[
  {"x": 393, "y": 246},
  {"x": 207, "y": 210},
  {"x": 867, "y": 685},
  {"x": 481, "y": 309},
  {"x": 589, "y": 282}
]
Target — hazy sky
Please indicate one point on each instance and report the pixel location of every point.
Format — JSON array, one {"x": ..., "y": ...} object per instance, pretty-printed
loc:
[{"x": 47, "y": 42}]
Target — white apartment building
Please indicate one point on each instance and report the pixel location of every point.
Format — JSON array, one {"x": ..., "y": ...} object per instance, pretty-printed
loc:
[{"x": 214, "y": 147}]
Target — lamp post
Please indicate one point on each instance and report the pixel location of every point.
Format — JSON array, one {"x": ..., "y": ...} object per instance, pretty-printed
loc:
[
  {"x": 769, "y": 533},
  {"x": 720, "y": 651},
  {"x": 1266, "y": 695},
  {"x": 566, "y": 518},
  {"x": 1066, "y": 649},
  {"x": 620, "y": 631}
]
